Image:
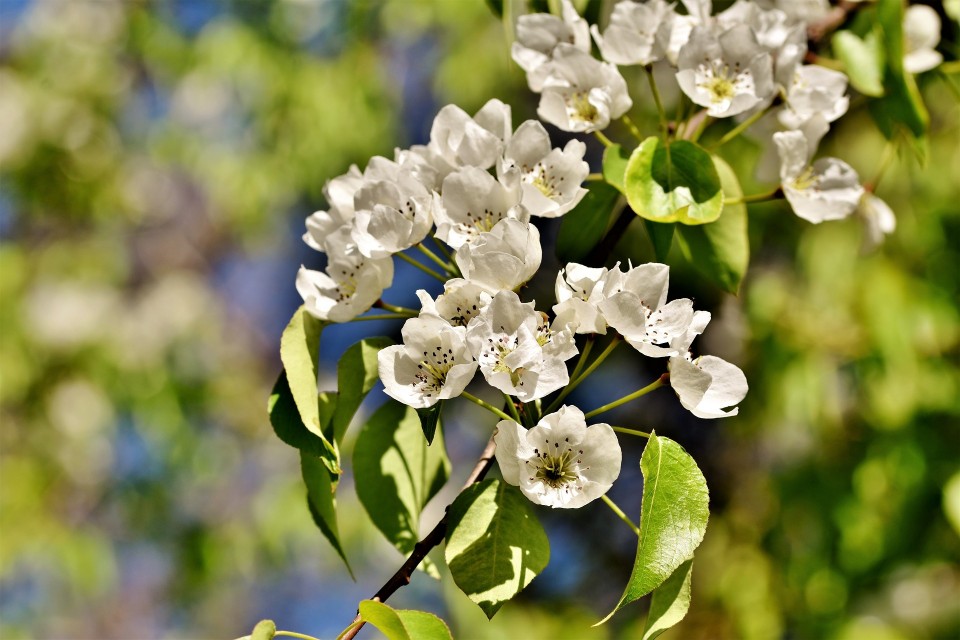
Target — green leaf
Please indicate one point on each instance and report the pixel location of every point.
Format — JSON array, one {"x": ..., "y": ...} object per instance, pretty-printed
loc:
[
  {"x": 404, "y": 624},
  {"x": 615, "y": 160},
  {"x": 299, "y": 350},
  {"x": 661, "y": 237},
  {"x": 862, "y": 60},
  {"x": 356, "y": 376},
  {"x": 902, "y": 108},
  {"x": 583, "y": 226},
  {"x": 670, "y": 602},
  {"x": 396, "y": 473},
  {"x": 289, "y": 427},
  {"x": 265, "y": 630},
  {"x": 673, "y": 182},
  {"x": 495, "y": 544},
  {"x": 429, "y": 418},
  {"x": 673, "y": 516},
  {"x": 321, "y": 485},
  {"x": 721, "y": 250}
]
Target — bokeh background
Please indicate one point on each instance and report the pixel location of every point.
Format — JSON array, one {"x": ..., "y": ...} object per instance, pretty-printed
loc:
[{"x": 158, "y": 160}]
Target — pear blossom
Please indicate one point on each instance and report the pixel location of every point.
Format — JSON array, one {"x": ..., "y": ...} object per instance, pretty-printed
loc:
[
  {"x": 815, "y": 90},
  {"x": 432, "y": 364},
  {"x": 580, "y": 93},
  {"x": 828, "y": 189},
  {"x": 392, "y": 216},
  {"x": 561, "y": 462},
  {"x": 460, "y": 140},
  {"x": 635, "y": 305},
  {"x": 550, "y": 179},
  {"x": 518, "y": 351},
  {"x": 505, "y": 257},
  {"x": 538, "y": 34},
  {"x": 728, "y": 74},
  {"x": 783, "y": 37},
  {"x": 473, "y": 202},
  {"x": 631, "y": 36},
  {"x": 878, "y": 220},
  {"x": 459, "y": 303},
  {"x": 921, "y": 34},
  {"x": 674, "y": 33},
  {"x": 580, "y": 290},
  {"x": 350, "y": 286},
  {"x": 707, "y": 385},
  {"x": 339, "y": 194}
]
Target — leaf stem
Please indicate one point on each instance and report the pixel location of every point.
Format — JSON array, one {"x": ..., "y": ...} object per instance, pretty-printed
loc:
[
  {"x": 632, "y": 432},
  {"x": 435, "y": 258},
  {"x": 632, "y": 127},
  {"x": 593, "y": 366},
  {"x": 582, "y": 360},
  {"x": 594, "y": 177},
  {"x": 294, "y": 634},
  {"x": 486, "y": 405},
  {"x": 656, "y": 384},
  {"x": 405, "y": 311},
  {"x": 757, "y": 197},
  {"x": 620, "y": 514},
  {"x": 648, "y": 69},
  {"x": 513, "y": 409},
  {"x": 421, "y": 266},
  {"x": 701, "y": 126},
  {"x": 736, "y": 131},
  {"x": 602, "y": 138}
]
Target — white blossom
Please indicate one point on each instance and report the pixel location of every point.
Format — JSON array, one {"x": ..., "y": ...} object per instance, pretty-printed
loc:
[
  {"x": 561, "y": 462},
  {"x": 505, "y": 257},
  {"x": 339, "y": 194},
  {"x": 878, "y": 220},
  {"x": 432, "y": 364},
  {"x": 392, "y": 216},
  {"x": 707, "y": 385},
  {"x": 350, "y": 286},
  {"x": 473, "y": 202},
  {"x": 538, "y": 34},
  {"x": 815, "y": 90},
  {"x": 631, "y": 36},
  {"x": 464, "y": 141},
  {"x": 581, "y": 93},
  {"x": 550, "y": 179},
  {"x": 728, "y": 74},
  {"x": 921, "y": 34},
  {"x": 828, "y": 189},
  {"x": 518, "y": 351},
  {"x": 459, "y": 303},
  {"x": 580, "y": 290}
]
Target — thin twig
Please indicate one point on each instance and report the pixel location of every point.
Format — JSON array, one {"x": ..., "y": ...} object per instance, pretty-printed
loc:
[{"x": 422, "y": 548}]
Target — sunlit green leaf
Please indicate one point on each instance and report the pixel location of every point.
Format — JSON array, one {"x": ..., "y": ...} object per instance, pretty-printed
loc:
[
  {"x": 396, "y": 473},
  {"x": 670, "y": 602},
  {"x": 404, "y": 624},
  {"x": 902, "y": 108},
  {"x": 721, "y": 250},
  {"x": 265, "y": 630},
  {"x": 583, "y": 227},
  {"x": 862, "y": 60},
  {"x": 673, "y": 516},
  {"x": 356, "y": 376},
  {"x": 495, "y": 544},
  {"x": 288, "y": 425},
  {"x": 615, "y": 159},
  {"x": 673, "y": 182},
  {"x": 299, "y": 350},
  {"x": 321, "y": 485}
]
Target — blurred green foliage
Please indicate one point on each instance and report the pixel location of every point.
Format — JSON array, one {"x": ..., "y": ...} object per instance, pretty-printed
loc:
[{"x": 146, "y": 152}]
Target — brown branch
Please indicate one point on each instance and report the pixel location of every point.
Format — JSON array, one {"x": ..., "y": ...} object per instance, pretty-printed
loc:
[
  {"x": 831, "y": 21},
  {"x": 422, "y": 548}
]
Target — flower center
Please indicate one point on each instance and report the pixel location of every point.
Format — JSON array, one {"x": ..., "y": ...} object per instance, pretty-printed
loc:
[
  {"x": 542, "y": 181},
  {"x": 558, "y": 466},
  {"x": 432, "y": 370},
  {"x": 722, "y": 83},
  {"x": 805, "y": 180},
  {"x": 347, "y": 282},
  {"x": 579, "y": 107}
]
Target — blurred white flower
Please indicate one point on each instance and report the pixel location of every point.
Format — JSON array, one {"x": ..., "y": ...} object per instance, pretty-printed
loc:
[
  {"x": 473, "y": 202},
  {"x": 432, "y": 364},
  {"x": 580, "y": 93},
  {"x": 561, "y": 462},
  {"x": 518, "y": 352},
  {"x": 538, "y": 34},
  {"x": 878, "y": 220},
  {"x": 815, "y": 90},
  {"x": 728, "y": 74},
  {"x": 631, "y": 36},
  {"x": 350, "y": 286},
  {"x": 921, "y": 34},
  {"x": 707, "y": 385},
  {"x": 550, "y": 179},
  {"x": 504, "y": 258},
  {"x": 828, "y": 189}
]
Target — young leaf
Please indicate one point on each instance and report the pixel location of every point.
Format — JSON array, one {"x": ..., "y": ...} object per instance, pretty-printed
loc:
[
  {"x": 265, "y": 630},
  {"x": 495, "y": 544},
  {"x": 299, "y": 350},
  {"x": 289, "y": 427},
  {"x": 615, "y": 166},
  {"x": 429, "y": 419},
  {"x": 721, "y": 250},
  {"x": 661, "y": 237},
  {"x": 670, "y": 602},
  {"x": 321, "y": 485},
  {"x": 583, "y": 227},
  {"x": 404, "y": 624},
  {"x": 356, "y": 376},
  {"x": 674, "y": 182},
  {"x": 396, "y": 473},
  {"x": 902, "y": 108},
  {"x": 862, "y": 60},
  {"x": 673, "y": 516}
]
